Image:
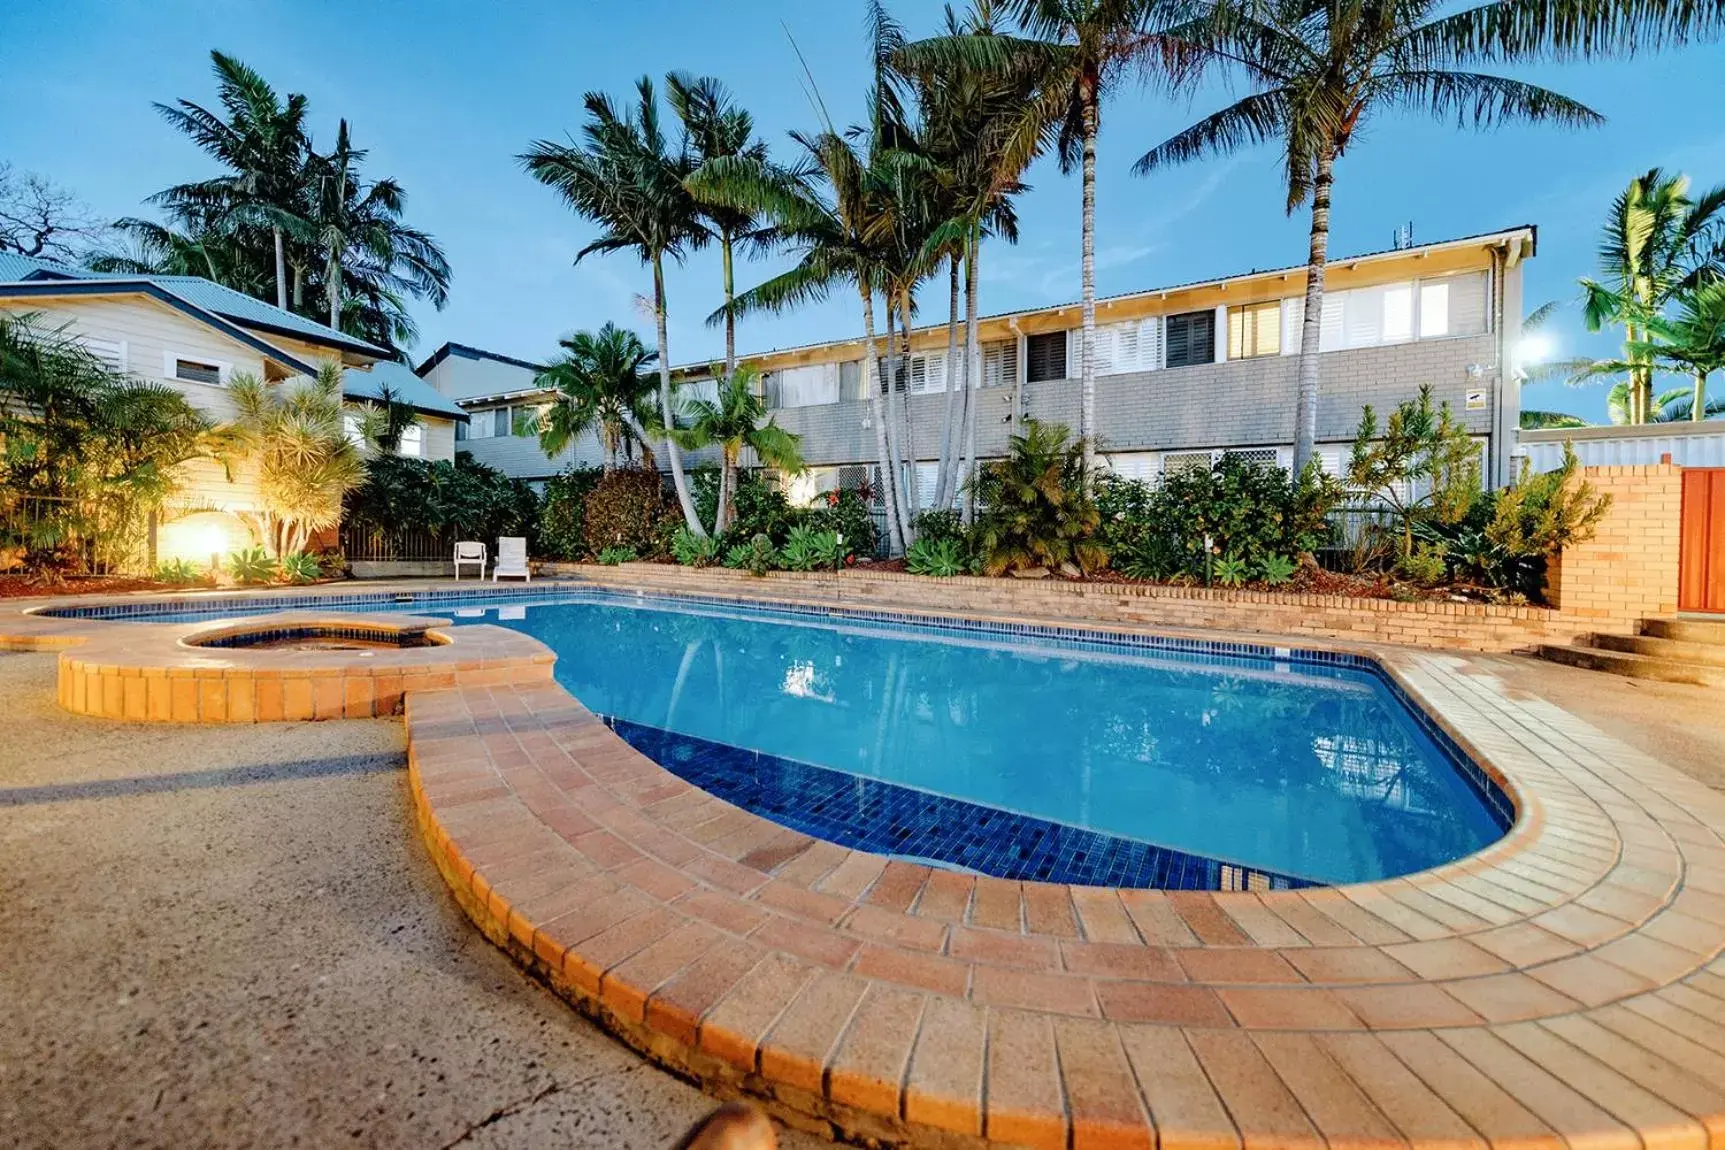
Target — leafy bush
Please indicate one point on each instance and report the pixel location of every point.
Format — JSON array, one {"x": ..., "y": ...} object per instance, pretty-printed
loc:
[
  {"x": 252, "y": 565},
  {"x": 693, "y": 550},
  {"x": 758, "y": 507},
  {"x": 612, "y": 556},
  {"x": 624, "y": 510},
  {"x": 1231, "y": 571},
  {"x": 1542, "y": 514},
  {"x": 1038, "y": 514},
  {"x": 1424, "y": 565},
  {"x": 760, "y": 556},
  {"x": 1276, "y": 569},
  {"x": 464, "y": 498},
  {"x": 300, "y": 568},
  {"x": 932, "y": 555},
  {"x": 846, "y": 514},
  {"x": 562, "y": 515},
  {"x": 809, "y": 550},
  {"x": 1424, "y": 467},
  {"x": 179, "y": 572}
]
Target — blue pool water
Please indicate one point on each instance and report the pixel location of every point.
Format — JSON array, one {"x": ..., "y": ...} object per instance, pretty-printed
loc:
[{"x": 1018, "y": 755}]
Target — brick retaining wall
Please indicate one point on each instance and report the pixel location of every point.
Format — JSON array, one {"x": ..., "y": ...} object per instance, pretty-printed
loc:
[{"x": 1628, "y": 570}]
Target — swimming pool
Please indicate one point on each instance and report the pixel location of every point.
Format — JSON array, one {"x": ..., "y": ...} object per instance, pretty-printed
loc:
[{"x": 1018, "y": 754}]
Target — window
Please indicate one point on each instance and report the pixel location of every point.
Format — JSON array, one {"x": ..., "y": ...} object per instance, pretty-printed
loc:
[
  {"x": 1175, "y": 462},
  {"x": 806, "y": 386},
  {"x": 1045, "y": 356},
  {"x": 707, "y": 389},
  {"x": 1191, "y": 338},
  {"x": 196, "y": 370},
  {"x": 525, "y": 420},
  {"x": 412, "y": 445},
  {"x": 111, "y": 352},
  {"x": 500, "y": 422},
  {"x": 1255, "y": 329},
  {"x": 1434, "y": 309},
  {"x": 850, "y": 381},
  {"x": 1398, "y": 313},
  {"x": 919, "y": 373},
  {"x": 999, "y": 363},
  {"x": 1133, "y": 464},
  {"x": 1131, "y": 346},
  {"x": 460, "y": 431}
]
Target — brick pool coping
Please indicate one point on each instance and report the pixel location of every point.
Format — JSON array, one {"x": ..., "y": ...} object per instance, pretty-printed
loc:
[{"x": 1563, "y": 986}]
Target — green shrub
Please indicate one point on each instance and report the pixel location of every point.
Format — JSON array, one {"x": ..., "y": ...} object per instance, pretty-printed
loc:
[
  {"x": 1424, "y": 565},
  {"x": 1276, "y": 569},
  {"x": 624, "y": 509},
  {"x": 693, "y": 550},
  {"x": 252, "y": 565},
  {"x": 464, "y": 498},
  {"x": 1231, "y": 571},
  {"x": 300, "y": 568},
  {"x": 846, "y": 514},
  {"x": 1037, "y": 513},
  {"x": 1423, "y": 467},
  {"x": 612, "y": 556},
  {"x": 931, "y": 555},
  {"x": 179, "y": 572},
  {"x": 1543, "y": 514},
  {"x": 562, "y": 514},
  {"x": 760, "y": 556}
]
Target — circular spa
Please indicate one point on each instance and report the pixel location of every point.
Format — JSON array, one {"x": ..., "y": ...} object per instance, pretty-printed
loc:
[
  {"x": 1020, "y": 753},
  {"x": 318, "y": 636}
]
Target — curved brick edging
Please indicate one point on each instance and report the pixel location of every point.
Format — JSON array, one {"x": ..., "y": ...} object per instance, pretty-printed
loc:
[{"x": 1565, "y": 984}]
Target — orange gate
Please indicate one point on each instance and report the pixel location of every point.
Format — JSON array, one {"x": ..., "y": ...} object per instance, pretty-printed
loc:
[{"x": 1701, "y": 578}]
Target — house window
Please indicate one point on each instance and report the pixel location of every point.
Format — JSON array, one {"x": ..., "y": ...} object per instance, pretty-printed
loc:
[
  {"x": 1175, "y": 462},
  {"x": 919, "y": 373},
  {"x": 1434, "y": 309},
  {"x": 690, "y": 389},
  {"x": 1255, "y": 329},
  {"x": 500, "y": 422},
  {"x": 1191, "y": 338},
  {"x": 1045, "y": 356},
  {"x": 527, "y": 419},
  {"x": 1000, "y": 363},
  {"x": 412, "y": 445},
  {"x": 1127, "y": 347},
  {"x": 850, "y": 381},
  {"x": 808, "y": 386},
  {"x": 461, "y": 431},
  {"x": 197, "y": 370}
]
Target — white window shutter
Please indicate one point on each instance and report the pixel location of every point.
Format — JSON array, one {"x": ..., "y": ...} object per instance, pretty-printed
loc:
[
  {"x": 1398, "y": 313},
  {"x": 1293, "y": 319},
  {"x": 1363, "y": 317},
  {"x": 1331, "y": 328}
]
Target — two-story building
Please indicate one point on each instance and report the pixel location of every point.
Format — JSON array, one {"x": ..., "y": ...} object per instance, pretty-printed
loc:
[
  {"x": 195, "y": 336},
  {"x": 1184, "y": 373}
]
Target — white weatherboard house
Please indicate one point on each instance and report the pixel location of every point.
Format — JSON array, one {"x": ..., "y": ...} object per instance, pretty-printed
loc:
[{"x": 196, "y": 336}]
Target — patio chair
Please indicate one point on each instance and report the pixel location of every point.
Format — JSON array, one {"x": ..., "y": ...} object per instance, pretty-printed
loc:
[
  {"x": 511, "y": 559},
  {"x": 469, "y": 552}
]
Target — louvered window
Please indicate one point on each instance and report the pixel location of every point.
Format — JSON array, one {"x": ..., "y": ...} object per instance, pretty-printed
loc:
[
  {"x": 1127, "y": 347},
  {"x": 197, "y": 371},
  {"x": 850, "y": 381},
  {"x": 1255, "y": 329},
  {"x": 1191, "y": 338},
  {"x": 1045, "y": 356},
  {"x": 1000, "y": 363}
]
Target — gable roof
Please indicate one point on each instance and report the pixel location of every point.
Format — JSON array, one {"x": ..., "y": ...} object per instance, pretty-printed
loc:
[
  {"x": 466, "y": 351},
  {"x": 368, "y": 384},
  {"x": 201, "y": 293}
]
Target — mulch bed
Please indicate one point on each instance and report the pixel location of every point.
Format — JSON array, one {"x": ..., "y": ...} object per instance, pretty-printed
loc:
[{"x": 23, "y": 587}]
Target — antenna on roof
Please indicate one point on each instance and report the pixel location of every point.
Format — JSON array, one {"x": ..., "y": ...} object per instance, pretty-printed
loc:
[{"x": 1404, "y": 237}]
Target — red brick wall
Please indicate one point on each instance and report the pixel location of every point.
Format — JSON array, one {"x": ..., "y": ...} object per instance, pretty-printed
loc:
[{"x": 1628, "y": 570}]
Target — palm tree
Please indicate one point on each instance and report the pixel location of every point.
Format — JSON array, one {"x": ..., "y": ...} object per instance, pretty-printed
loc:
[
  {"x": 718, "y": 130},
  {"x": 295, "y": 435},
  {"x": 1322, "y": 69},
  {"x": 629, "y": 181},
  {"x": 1657, "y": 244},
  {"x": 1082, "y": 51},
  {"x": 263, "y": 143},
  {"x": 734, "y": 422},
  {"x": 1534, "y": 420},
  {"x": 831, "y": 215},
  {"x": 1693, "y": 340},
  {"x": 600, "y": 385},
  {"x": 194, "y": 248}
]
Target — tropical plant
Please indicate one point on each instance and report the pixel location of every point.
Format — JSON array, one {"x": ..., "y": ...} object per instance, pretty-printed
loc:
[
  {"x": 1692, "y": 342},
  {"x": 179, "y": 572},
  {"x": 737, "y": 419},
  {"x": 1232, "y": 571},
  {"x": 1542, "y": 514},
  {"x": 87, "y": 453},
  {"x": 300, "y": 568},
  {"x": 623, "y": 510},
  {"x": 693, "y": 550},
  {"x": 252, "y": 565},
  {"x": 295, "y": 438},
  {"x": 1424, "y": 564},
  {"x": 1038, "y": 512},
  {"x": 1658, "y": 242},
  {"x": 846, "y": 514},
  {"x": 463, "y": 497},
  {"x": 1321, "y": 71},
  {"x": 1424, "y": 467},
  {"x": 761, "y": 556},
  {"x": 562, "y": 530},
  {"x": 942, "y": 558},
  {"x": 614, "y": 556},
  {"x": 809, "y": 549},
  {"x": 600, "y": 385},
  {"x": 1276, "y": 570},
  {"x": 629, "y": 180},
  {"x": 1534, "y": 420}
]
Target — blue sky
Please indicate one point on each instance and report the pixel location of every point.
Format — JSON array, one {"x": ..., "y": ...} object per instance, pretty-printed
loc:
[{"x": 445, "y": 95}]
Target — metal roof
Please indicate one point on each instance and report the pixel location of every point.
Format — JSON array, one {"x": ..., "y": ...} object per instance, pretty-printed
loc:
[
  {"x": 368, "y": 383},
  {"x": 467, "y": 351}
]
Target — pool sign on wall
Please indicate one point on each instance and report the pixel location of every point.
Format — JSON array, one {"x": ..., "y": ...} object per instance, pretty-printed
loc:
[{"x": 1476, "y": 399}]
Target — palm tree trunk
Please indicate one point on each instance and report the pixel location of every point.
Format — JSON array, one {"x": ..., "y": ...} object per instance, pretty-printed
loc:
[
  {"x": 281, "y": 270},
  {"x": 907, "y": 434},
  {"x": 972, "y": 374},
  {"x": 871, "y": 381},
  {"x": 954, "y": 392},
  {"x": 895, "y": 456},
  {"x": 1698, "y": 410},
  {"x": 672, "y": 453},
  {"x": 1087, "y": 341},
  {"x": 727, "y": 480},
  {"x": 1312, "y": 325},
  {"x": 298, "y": 287},
  {"x": 730, "y": 308},
  {"x": 332, "y": 286}
]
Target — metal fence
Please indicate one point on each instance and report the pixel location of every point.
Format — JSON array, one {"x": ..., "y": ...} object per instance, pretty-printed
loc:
[
  {"x": 368, "y": 543},
  {"x": 1353, "y": 531},
  {"x": 68, "y": 535}
]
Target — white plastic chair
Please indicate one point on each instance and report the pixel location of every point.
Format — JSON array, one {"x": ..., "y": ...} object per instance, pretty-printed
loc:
[
  {"x": 511, "y": 559},
  {"x": 469, "y": 552}
]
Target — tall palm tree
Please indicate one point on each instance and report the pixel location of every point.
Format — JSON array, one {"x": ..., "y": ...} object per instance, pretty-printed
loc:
[
  {"x": 717, "y": 129},
  {"x": 630, "y": 181},
  {"x": 1321, "y": 70},
  {"x": 261, "y": 140},
  {"x": 193, "y": 248},
  {"x": 734, "y": 421},
  {"x": 1658, "y": 243},
  {"x": 830, "y": 214},
  {"x": 601, "y": 385},
  {"x": 1083, "y": 51}
]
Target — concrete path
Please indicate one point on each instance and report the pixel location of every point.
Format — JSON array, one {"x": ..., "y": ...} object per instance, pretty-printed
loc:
[{"x": 231, "y": 936}]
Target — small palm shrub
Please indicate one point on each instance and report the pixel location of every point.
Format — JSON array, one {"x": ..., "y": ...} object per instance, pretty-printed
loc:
[
  {"x": 612, "y": 556},
  {"x": 942, "y": 558},
  {"x": 1424, "y": 565},
  {"x": 693, "y": 550},
  {"x": 252, "y": 565},
  {"x": 300, "y": 568},
  {"x": 179, "y": 572},
  {"x": 1038, "y": 514}
]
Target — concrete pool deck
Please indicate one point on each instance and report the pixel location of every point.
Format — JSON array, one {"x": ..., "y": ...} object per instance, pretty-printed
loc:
[{"x": 1562, "y": 986}]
